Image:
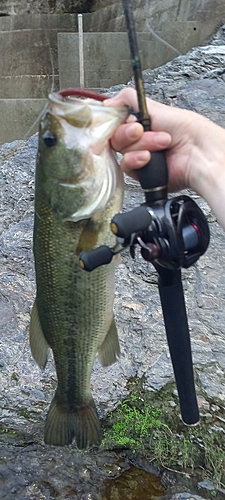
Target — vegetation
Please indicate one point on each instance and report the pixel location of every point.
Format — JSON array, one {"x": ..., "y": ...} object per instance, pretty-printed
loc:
[
  {"x": 8, "y": 431},
  {"x": 132, "y": 425},
  {"x": 151, "y": 426}
]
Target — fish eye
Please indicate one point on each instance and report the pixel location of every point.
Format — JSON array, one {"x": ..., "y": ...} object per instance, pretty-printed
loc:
[{"x": 50, "y": 139}]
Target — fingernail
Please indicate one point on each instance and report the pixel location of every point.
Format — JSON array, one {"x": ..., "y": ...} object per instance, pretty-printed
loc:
[
  {"x": 134, "y": 130},
  {"x": 162, "y": 139},
  {"x": 142, "y": 156}
]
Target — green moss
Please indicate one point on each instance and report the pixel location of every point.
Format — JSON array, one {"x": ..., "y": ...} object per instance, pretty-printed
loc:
[
  {"x": 23, "y": 412},
  {"x": 131, "y": 425},
  {"x": 146, "y": 422},
  {"x": 8, "y": 431},
  {"x": 14, "y": 376}
]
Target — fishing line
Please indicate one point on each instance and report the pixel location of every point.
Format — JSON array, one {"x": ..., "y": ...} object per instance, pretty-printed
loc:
[{"x": 154, "y": 34}]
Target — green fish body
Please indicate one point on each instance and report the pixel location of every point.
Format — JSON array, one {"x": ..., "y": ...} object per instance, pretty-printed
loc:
[{"x": 79, "y": 187}]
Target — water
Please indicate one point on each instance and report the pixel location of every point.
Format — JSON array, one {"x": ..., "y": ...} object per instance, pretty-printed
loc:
[{"x": 134, "y": 484}]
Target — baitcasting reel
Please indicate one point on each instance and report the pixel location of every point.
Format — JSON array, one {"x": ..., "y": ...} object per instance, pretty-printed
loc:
[{"x": 172, "y": 233}]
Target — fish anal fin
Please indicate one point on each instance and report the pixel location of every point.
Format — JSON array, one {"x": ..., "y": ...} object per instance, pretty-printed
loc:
[
  {"x": 62, "y": 425},
  {"x": 109, "y": 351},
  {"x": 38, "y": 343}
]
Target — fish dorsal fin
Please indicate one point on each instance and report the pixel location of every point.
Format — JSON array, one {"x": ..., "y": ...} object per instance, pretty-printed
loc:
[
  {"x": 109, "y": 351},
  {"x": 38, "y": 343}
]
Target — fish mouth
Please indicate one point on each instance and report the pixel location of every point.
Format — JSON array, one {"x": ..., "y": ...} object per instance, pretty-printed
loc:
[
  {"x": 73, "y": 110},
  {"x": 86, "y": 94},
  {"x": 84, "y": 109},
  {"x": 86, "y": 126},
  {"x": 62, "y": 102},
  {"x": 68, "y": 97}
]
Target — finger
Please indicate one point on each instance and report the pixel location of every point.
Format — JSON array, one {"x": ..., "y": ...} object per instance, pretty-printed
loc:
[
  {"x": 150, "y": 141},
  {"x": 130, "y": 137},
  {"x": 126, "y": 135},
  {"x": 134, "y": 160},
  {"x": 126, "y": 97},
  {"x": 162, "y": 117}
]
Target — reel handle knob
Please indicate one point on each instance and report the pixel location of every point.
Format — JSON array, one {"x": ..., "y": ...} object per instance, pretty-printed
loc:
[
  {"x": 125, "y": 224},
  {"x": 94, "y": 258}
]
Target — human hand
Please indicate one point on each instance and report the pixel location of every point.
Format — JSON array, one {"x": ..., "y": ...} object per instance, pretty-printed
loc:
[{"x": 195, "y": 148}]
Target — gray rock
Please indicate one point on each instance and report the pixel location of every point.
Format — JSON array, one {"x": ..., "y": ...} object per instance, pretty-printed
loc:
[
  {"x": 209, "y": 485},
  {"x": 185, "y": 496},
  {"x": 27, "y": 468}
]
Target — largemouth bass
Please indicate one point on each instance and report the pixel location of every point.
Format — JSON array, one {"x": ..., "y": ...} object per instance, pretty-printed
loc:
[{"x": 79, "y": 187}]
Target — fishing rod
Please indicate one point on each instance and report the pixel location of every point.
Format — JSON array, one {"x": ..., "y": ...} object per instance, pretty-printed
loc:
[{"x": 172, "y": 234}]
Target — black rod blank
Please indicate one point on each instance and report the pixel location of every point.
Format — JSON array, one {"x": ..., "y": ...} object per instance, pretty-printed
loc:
[{"x": 136, "y": 64}]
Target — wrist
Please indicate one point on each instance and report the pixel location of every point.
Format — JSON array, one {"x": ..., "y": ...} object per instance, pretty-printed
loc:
[
  {"x": 215, "y": 191},
  {"x": 209, "y": 176}
]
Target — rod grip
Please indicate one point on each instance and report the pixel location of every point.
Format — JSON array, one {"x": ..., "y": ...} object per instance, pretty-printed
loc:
[
  {"x": 175, "y": 318},
  {"x": 153, "y": 177}
]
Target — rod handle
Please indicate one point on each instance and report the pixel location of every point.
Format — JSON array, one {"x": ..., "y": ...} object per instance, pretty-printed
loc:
[
  {"x": 153, "y": 177},
  {"x": 175, "y": 318}
]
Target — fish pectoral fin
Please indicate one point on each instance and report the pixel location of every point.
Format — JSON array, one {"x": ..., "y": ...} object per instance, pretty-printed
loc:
[
  {"x": 62, "y": 425},
  {"x": 38, "y": 343},
  {"x": 88, "y": 238},
  {"x": 109, "y": 351}
]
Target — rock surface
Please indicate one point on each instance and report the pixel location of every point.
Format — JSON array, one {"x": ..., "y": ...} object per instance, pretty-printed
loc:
[{"x": 28, "y": 469}]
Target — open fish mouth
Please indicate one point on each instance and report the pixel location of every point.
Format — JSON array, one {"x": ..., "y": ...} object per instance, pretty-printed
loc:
[
  {"x": 83, "y": 108},
  {"x": 82, "y": 93},
  {"x": 86, "y": 125}
]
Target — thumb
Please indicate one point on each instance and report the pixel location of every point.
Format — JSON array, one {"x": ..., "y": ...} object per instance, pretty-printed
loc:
[{"x": 126, "y": 97}]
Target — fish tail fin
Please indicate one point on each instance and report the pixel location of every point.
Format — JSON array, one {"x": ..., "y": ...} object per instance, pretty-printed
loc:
[{"x": 62, "y": 426}]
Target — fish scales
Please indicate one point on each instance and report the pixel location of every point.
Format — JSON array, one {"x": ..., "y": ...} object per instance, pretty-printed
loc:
[{"x": 73, "y": 310}]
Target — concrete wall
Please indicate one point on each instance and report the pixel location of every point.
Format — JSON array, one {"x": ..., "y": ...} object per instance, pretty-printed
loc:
[
  {"x": 29, "y": 55},
  {"x": 30, "y": 66},
  {"x": 17, "y": 116},
  {"x": 107, "y": 55},
  {"x": 155, "y": 12}
]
